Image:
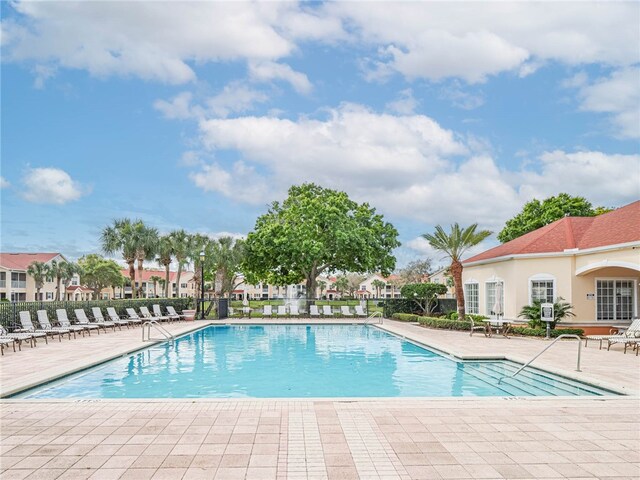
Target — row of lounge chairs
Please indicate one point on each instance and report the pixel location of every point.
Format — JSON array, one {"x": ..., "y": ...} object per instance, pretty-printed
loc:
[
  {"x": 294, "y": 311},
  {"x": 84, "y": 323},
  {"x": 629, "y": 338}
]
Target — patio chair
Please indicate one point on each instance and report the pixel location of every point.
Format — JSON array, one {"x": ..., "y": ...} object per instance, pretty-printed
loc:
[
  {"x": 474, "y": 326},
  {"x": 113, "y": 315},
  {"x": 18, "y": 337},
  {"x": 294, "y": 311},
  {"x": 626, "y": 341},
  {"x": 63, "y": 320},
  {"x": 4, "y": 341},
  {"x": 146, "y": 314},
  {"x": 172, "y": 312},
  {"x": 327, "y": 311},
  {"x": 631, "y": 331},
  {"x": 132, "y": 316},
  {"x": 282, "y": 311},
  {"x": 267, "y": 311},
  {"x": 345, "y": 311},
  {"x": 115, "y": 319},
  {"x": 43, "y": 320},
  {"x": 157, "y": 311},
  {"x": 360, "y": 311},
  {"x": 83, "y": 319},
  {"x": 28, "y": 327},
  {"x": 313, "y": 311}
]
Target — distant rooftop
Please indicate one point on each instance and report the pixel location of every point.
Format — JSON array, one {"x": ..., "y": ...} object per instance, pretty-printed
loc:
[{"x": 21, "y": 261}]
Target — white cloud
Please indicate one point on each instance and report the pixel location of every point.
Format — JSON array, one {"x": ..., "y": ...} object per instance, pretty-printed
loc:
[
  {"x": 4, "y": 183},
  {"x": 405, "y": 104},
  {"x": 618, "y": 95},
  {"x": 179, "y": 107},
  {"x": 236, "y": 97},
  {"x": 266, "y": 71},
  {"x": 473, "y": 40},
  {"x": 422, "y": 247},
  {"x": 51, "y": 185},
  {"x": 158, "y": 40},
  {"x": 460, "y": 97},
  {"x": 407, "y": 166}
]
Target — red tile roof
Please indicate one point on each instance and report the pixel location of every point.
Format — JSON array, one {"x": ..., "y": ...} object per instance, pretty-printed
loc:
[
  {"x": 21, "y": 261},
  {"x": 618, "y": 226},
  {"x": 73, "y": 288}
]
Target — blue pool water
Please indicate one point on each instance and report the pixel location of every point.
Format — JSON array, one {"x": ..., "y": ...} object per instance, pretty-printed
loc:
[{"x": 299, "y": 361}]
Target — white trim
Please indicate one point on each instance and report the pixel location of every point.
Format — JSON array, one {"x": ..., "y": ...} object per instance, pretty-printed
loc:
[
  {"x": 623, "y": 279},
  {"x": 566, "y": 253},
  {"x": 605, "y": 264},
  {"x": 471, "y": 280},
  {"x": 496, "y": 280},
  {"x": 542, "y": 277}
]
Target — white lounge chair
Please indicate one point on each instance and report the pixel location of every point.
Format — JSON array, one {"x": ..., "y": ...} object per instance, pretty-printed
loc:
[
  {"x": 327, "y": 311},
  {"x": 282, "y": 311},
  {"x": 267, "y": 311},
  {"x": 173, "y": 313},
  {"x": 28, "y": 327},
  {"x": 63, "y": 320},
  {"x": 83, "y": 319},
  {"x": 627, "y": 341},
  {"x": 43, "y": 320},
  {"x": 116, "y": 320},
  {"x": 146, "y": 314},
  {"x": 313, "y": 311},
  {"x": 132, "y": 316},
  {"x": 360, "y": 311},
  {"x": 294, "y": 311},
  {"x": 18, "y": 337},
  {"x": 113, "y": 315},
  {"x": 4, "y": 341},
  {"x": 157, "y": 311},
  {"x": 631, "y": 332},
  {"x": 345, "y": 311}
]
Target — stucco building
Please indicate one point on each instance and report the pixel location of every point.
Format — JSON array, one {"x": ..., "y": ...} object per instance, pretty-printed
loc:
[{"x": 591, "y": 262}]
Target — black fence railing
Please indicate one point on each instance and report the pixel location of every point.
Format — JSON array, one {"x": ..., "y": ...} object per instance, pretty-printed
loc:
[{"x": 9, "y": 311}]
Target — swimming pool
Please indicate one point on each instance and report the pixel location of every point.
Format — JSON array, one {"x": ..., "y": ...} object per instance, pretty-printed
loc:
[{"x": 299, "y": 361}]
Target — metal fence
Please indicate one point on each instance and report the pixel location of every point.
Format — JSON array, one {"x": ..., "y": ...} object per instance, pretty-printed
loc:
[{"x": 9, "y": 311}]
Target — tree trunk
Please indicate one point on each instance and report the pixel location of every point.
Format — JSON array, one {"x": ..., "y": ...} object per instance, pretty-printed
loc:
[
  {"x": 58, "y": 280},
  {"x": 140, "y": 270},
  {"x": 38, "y": 294},
  {"x": 456, "y": 272},
  {"x": 132, "y": 276},
  {"x": 166, "y": 280},
  {"x": 178, "y": 279}
]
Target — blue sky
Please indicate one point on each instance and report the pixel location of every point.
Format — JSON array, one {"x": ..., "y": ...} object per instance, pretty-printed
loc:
[{"x": 198, "y": 115}]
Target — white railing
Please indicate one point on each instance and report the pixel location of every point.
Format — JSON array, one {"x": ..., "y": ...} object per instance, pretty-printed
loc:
[
  {"x": 374, "y": 315},
  {"x": 146, "y": 326}
]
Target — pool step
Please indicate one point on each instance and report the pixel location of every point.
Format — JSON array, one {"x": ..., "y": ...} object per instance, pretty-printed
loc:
[{"x": 532, "y": 380}]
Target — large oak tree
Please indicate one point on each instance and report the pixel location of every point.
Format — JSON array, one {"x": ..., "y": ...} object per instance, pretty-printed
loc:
[{"x": 317, "y": 230}]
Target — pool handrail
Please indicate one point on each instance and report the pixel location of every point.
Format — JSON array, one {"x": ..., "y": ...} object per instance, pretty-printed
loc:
[{"x": 374, "y": 315}]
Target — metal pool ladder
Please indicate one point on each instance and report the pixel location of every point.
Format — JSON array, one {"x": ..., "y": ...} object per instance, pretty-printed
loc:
[
  {"x": 374, "y": 315},
  {"x": 564, "y": 335},
  {"x": 153, "y": 323}
]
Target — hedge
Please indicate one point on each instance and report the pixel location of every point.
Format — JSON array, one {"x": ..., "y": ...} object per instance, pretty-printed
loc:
[
  {"x": 447, "y": 324},
  {"x": 9, "y": 311}
]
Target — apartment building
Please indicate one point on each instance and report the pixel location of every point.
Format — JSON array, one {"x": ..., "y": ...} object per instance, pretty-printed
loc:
[
  {"x": 17, "y": 286},
  {"x": 151, "y": 288}
]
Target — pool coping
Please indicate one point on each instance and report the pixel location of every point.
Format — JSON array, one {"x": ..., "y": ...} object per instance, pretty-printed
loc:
[{"x": 6, "y": 394}]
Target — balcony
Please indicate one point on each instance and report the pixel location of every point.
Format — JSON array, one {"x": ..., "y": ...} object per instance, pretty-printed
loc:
[
  {"x": 3, "y": 284},
  {"x": 18, "y": 284}
]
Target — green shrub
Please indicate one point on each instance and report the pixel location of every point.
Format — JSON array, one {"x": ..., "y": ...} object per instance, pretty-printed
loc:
[
  {"x": 476, "y": 318},
  {"x": 444, "y": 323},
  {"x": 542, "y": 332},
  {"x": 405, "y": 317}
]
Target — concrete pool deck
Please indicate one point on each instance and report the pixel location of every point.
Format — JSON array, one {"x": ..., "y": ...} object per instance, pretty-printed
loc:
[{"x": 561, "y": 437}]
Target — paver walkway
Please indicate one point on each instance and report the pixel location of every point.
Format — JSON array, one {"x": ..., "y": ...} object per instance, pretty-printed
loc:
[{"x": 501, "y": 438}]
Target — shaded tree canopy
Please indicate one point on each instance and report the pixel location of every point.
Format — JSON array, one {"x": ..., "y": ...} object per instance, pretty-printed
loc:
[
  {"x": 536, "y": 214},
  {"x": 423, "y": 294},
  {"x": 317, "y": 230}
]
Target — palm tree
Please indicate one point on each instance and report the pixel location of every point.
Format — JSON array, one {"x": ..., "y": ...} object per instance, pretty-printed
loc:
[
  {"x": 378, "y": 285},
  {"x": 165, "y": 257},
  {"x": 321, "y": 285},
  {"x": 179, "y": 240},
  {"x": 155, "y": 279},
  {"x": 120, "y": 237},
  {"x": 56, "y": 270},
  {"x": 39, "y": 271},
  {"x": 454, "y": 245},
  {"x": 68, "y": 270},
  {"x": 197, "y": 244},
  {"x": 224, "y": 258},
  {"x": 533, "y": 312},
  {"x": 146, "y": 246},
  {"x": 341, "y": 284}
]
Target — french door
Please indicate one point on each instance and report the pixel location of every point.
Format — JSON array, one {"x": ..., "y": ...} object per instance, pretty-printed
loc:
[{"x": 615, "y": 300}]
